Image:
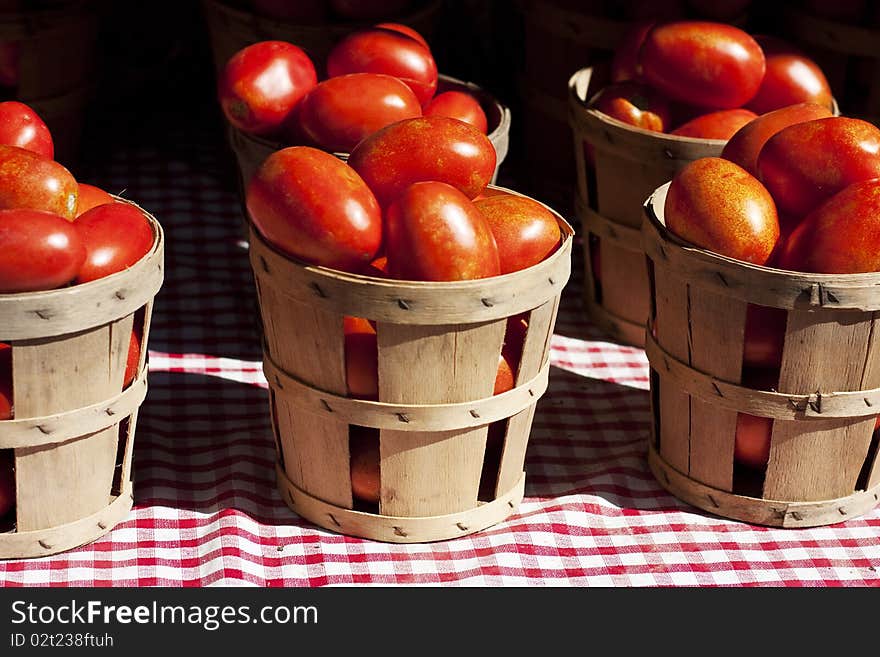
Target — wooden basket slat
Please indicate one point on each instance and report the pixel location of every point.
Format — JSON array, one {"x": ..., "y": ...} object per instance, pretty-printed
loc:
[{"x": 625, "y": 292}]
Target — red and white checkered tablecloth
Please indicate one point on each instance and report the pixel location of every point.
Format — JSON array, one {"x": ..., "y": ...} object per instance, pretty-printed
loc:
[{"x": 206, "y": 507}]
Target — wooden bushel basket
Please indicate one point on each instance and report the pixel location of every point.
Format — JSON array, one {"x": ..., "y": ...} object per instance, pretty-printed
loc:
[
  {"x": 824, "y": 466},
  {"x": 438, "y": 353},
  {"x": 73, "y": 429}
]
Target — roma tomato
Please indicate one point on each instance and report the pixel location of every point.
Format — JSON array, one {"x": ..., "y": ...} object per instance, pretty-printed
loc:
[
  {"x": 525, "y": 231},
  {"x": 21, "y": 126},
  {"x": 378, "y": 50},
  {"x": 458, "y": 105},
  {"x": 7, "y": 482},
  {"x": 341, "y": 111},
  {"x": 364, "y": 463},
  {"x": 764, "y": 336},
  {"x": 29, "y": 180},
  {"x": 378, "y": 268},
  {"x": 435, "y": 233},
  {"x": 315, "y": 207},
  {"x": 361, "y": 10},
  {"x": 842, "y": 236},
  {"x": 635, "y": 104},
  {"x": 504, "y": 378},
  {"x": 751, "y": 446},
  {"x": 38, "y": 251},
  {"x": 361, "y": 358},
  {"x": 719, "y": 206},
  {"x": 89, "y": 196},
  {"x": 406, "y": 30},
  {"x": 6, "y": 400},
  {"x": 715, "y": 125},
  {"x": 133, "y": 359},
  {"x": 791, "y": 78},
  {"x": 625, "y": 63},
  {"x": 703, "y": 63},
  {"x": 116, "y": 236},
  {"x": 806, "y": 163},
  {"x": 262, "y": 83},
  {"x": 744, "y": 147},
  {"x": 426, "y": 148},
  {"x": 515, "y": 339}
]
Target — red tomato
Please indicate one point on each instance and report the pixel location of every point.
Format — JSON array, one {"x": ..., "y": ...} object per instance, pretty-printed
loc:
[
  {"x": 764, "y": 336},
  {"x": 29, "y": 180},
  {"x": 751, "y": 445},
  {"x": 10, "y": 55},
  {"x": 404, "y": 29},
  {"x": 877, "y": 423},
  {"x": 715, "y": 125},
  {"x": 262, "y": 83},
  {"x": 842, "y": 236},
  {"x": 21, "y": 126},
  {"x": 504, "y": 378},
  {"x": 719, "y": 206},
  {"x": 458, "y": 105},
  {"x": 791, "y": 78},
  {"x": 6, "y": 401},
  {"x": 525, "y": 231},
  {"x": 744, "y": 147},
  {"x": 427, "y": 148},
  {"x": 708, "y": 64},
  {"x": 116, "y": 236},
  {"x": 38, "y": 251},
  {"x": 364, "y": 464},
  {"x": 378, "y": 268},
  {"x": 635, "y": 104},
  {"x": 361, "y": 10},
  {"x": 305, "y": 11},
  {"x": 133, "y": 359},
  {"x": 89, "y": 196},
  {"x": 515, "y": 339},
  {"x": 806, "y": 163},
  {"x": 7, "y": 482},
  {"x": 625, "y": 64},
  {"x": 341, "y": 111},
  {"x": 377, "y": 50},
  {"x": 315, "y": 207},
  {"x": 361, "y": 358},
  {"x": 435, "y": 233}
]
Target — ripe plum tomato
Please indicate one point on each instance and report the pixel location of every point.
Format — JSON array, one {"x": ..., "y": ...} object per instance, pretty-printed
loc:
[
  {"x": 89, "y": 196},
  {"x": 361, "y": 358},
  {"x": 7, "y": 482},
  {"x": 21, "y": 126},
  {"x": 262, "y": 83},
  {"x": 406, "y": 30},
  {"x": 315, "y": 207},
  {"x": 525, "y": 231},
  {"x": 38, "y": 251},
  {"x": 764, "y": 336},
  {"x": 29, "y": 180},
  {"x": 717, "y": 205},
  {"x": 458, "y": 105},
  {"x": 722, "y": 124},
  {"x": 635, "y": 104},
  {"x": 751, "y": 445},
  {"x": 703, "y": 63},
  {"x": 504, "y": 378},
  {"x": 6, "y": 400},
  {"x": 133, "y": 358},
  {"x": 791, "y": 78},
  {"x": 116, "y": 236},
  {"x": 341, "y": 111},
  {"x": 435, "y": 233},
  {"x": 364, "y": 463}
]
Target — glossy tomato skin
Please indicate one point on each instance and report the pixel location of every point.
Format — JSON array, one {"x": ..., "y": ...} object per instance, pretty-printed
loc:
[
  {"x": 435, "y": 233},
  {"x": 21, "y": 126},
  {"x": 635, "y": 104},
  {"x": 751, "y": 445},
  {"x": 764, "y": 336},
  {"x": 38, "y": 251},
  {"x": 702, "y": 63},
  {"x": 364, "y": 464},
  {"x": 525, "y": 231},
  {"x": 338, "y": 113},
  {"x": 842, "y": 236},
  {"x": 378, "y": 50},
  {"x": 717, "y": 205},
  {"x": 625, "y": 63},
  {"x": 133, "y": 358},
  {"x": 422, "y": 149},
  {"x": 116, "y": 236},
  {"x": 504, "y": 378},
  {"x": 405, "y": 30},
  {"x": 791, "y": 78},
  {"x": 458, "y": 105},
  {"x": 262, "y": 83},
  {"x": 315, "y": 207},
  {"x": 6, "y": 400},
  {"x": 361, "y": 358},
  {"x": 89, "y": 196},
  {"x": 806, "y": 163},
  {"x": 722, "y": 124},
  {"x": 744, "y": 147},
  {"x": 7, "y": 482},
  {"x": 29, "y": 180}
]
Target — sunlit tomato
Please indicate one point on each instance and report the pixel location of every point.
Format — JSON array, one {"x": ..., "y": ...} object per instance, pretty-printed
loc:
[
  {"x": 133, "y": 359},
  {"x": 404, "y": 29},
  {"x": 635, "y": 104},
  {"x": 6, "y": 401},
  {"x": 361, "y": 358},
  {"x": 842, "y": 236},
  {"x": 764, "y": 336},
  {"x": 791, "y": 78},
  {"x": 10, "y": 56},
  {"x": 504, "y": 378},
  {"x": 751, "y": 445},
  {"x": 21, "y": 126},
  {"x": 7, "y": 482},
  {"x": 377, "y": 268},
  {"x": 525, "y": 231},
  {"x": 744, "y": 147},
  {"x": 364, "y": 463},
  {"x": 29, "y": 180},
  {"x": 262, "y": 83},
  {"x": 702, "y": 63},
  {"x": 378, "y": 50},
  {"x": 89, "y": 196},
  {"x": 458, "y": 105},
  {"x": 116, "y": 236},
  {"x": 422, "y": 149},
  {"x": 306, "y": 11},
  {"x": 717, "y": 205},
  {"x": 315, "y": 207},
  {"x": 38, "y": 251},
  {"x": 806, "y": 163},
  {"x": 625, "y": 64},
  {"x": 435, "y": 233},
  {"x": 341, "y": 111},
  {"x": 715, "y": 125},
  {"x": 362, "y": 10}
]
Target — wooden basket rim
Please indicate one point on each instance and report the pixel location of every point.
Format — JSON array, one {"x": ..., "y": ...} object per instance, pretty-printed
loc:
[
  {"x": 126, "y": 291},
  {"x": 766, "y": 286}
]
